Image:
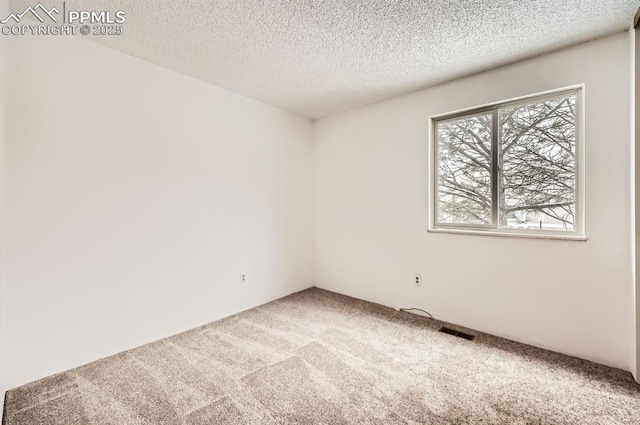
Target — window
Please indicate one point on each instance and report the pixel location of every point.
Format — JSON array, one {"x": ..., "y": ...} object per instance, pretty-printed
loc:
[{"x": 512, "y": 168}]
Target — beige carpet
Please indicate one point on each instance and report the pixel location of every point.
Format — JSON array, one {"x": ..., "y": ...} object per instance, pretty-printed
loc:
[{"x": 320, "y": 358}]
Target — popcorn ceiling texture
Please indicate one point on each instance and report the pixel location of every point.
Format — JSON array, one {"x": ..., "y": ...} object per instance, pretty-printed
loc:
[
  {"x": 320, "y": 57},
  {"x": 317, "y": 357}
]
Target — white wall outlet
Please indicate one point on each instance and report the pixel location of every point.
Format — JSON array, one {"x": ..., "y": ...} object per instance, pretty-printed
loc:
[
  {"x": 243, "y": 278},
  {"x": 418, "y": 280}
]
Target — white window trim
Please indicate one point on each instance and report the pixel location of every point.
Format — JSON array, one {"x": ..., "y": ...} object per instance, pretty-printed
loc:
[{"x": 579, "y": 234}]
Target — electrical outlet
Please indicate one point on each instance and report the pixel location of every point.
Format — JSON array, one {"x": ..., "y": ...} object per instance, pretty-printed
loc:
[
  {"x": 243, "y": 278},
  {"x": 418, "y": 280}
]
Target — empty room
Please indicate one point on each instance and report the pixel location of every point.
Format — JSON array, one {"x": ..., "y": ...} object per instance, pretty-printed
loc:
[{"x": 320, "y": 212}]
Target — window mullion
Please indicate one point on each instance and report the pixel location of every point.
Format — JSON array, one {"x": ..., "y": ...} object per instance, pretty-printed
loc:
[{"x": 494, "y": 169}]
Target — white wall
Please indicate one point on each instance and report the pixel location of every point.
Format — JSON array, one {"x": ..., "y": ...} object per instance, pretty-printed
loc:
[
  {"x": 136, "y": 198},
  {"x": 635, "y": 42},
  {"x": 4, "y": 7},
  {"x": 371, "y": 214}
]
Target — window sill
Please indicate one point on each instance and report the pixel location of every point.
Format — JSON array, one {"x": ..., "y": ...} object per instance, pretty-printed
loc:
[{"x": 575, "y": 238}]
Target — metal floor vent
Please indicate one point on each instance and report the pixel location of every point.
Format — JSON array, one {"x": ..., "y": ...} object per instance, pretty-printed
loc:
[{"x": 454, "y": 332}]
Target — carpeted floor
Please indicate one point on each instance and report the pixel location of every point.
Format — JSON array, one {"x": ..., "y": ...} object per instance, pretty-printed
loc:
[{"x": 316, "y": 357}]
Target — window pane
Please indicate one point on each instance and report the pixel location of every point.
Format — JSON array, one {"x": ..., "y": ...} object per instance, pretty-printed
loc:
[
  {"x": 537, "y": 165},
  {"x": 464, "y": 170}
]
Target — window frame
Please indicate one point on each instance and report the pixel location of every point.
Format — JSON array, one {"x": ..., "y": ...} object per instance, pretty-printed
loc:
[{"x": 492, "y": 229}]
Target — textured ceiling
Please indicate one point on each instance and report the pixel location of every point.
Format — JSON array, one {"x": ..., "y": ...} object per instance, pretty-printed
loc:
[{"x": 320, "y": 57}]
